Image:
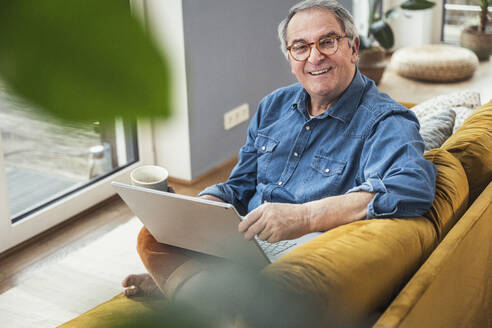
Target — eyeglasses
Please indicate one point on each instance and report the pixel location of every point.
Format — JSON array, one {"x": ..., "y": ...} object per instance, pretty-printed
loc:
[{"x": 301, "y": 50}]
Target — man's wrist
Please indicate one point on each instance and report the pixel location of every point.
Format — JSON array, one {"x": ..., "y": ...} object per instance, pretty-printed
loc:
[
  {"x": 307, "y": 217},
  {"x": 330, "y": 212}
]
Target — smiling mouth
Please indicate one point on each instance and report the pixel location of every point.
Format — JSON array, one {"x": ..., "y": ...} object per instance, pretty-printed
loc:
[{"x": 320, "y": 72}]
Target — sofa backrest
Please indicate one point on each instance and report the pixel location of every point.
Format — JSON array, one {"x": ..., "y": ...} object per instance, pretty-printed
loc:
[
  {"x": 452, "y": 195},
  {"x": 472, "y": 146}
]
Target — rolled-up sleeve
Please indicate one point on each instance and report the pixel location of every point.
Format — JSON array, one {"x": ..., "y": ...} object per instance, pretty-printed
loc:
[
  {"x": 241, "y": 185},
  {"x": 394, "y": 169}
]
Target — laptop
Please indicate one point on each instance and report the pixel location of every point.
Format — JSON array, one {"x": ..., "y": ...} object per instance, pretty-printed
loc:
[{"x": 201, "y": 225}]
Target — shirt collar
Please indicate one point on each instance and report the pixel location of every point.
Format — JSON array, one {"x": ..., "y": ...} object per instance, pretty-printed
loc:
[
  {"x": 300, "y": 101},
  {"x": 344, "y": 108}
]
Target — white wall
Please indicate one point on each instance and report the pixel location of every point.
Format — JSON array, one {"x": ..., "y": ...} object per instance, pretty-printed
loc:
[{"x": 171, "y": 138}]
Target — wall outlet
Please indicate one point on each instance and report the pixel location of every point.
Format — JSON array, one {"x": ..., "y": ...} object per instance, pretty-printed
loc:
[{"x": 236, "y": 116}]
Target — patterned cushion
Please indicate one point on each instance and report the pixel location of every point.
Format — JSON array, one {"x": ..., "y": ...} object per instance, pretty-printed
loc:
[
  {"x": 436, "y": 129},
  {"x": 436, "y": 62},
  {"x": 462, "y": 102}
]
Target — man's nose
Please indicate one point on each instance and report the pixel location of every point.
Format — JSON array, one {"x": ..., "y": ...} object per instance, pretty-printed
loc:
[{"x": 315, "y": 56}]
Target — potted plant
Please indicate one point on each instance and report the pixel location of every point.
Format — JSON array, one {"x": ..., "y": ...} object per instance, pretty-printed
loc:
[
  {"x": 372, "y": 55},
  {"x": 478, "y": 38},
  {"x": 380, "y": 36}
]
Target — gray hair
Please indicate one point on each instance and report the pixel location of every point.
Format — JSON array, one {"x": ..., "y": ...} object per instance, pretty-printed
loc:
[{"x": 342, "y": 15}]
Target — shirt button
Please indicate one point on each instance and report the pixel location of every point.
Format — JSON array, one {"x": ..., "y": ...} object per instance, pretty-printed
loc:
[
  {"x": 308, "y": 128},
  {"x": 327, "y": 170},
  {"x": 263, "y": 148},
  {"x": 296, "y": 154},
  {"x": 280, "y": 183}
]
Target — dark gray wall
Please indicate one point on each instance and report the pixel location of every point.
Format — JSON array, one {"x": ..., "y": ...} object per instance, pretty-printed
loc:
[{"x": 232, "y": 57}]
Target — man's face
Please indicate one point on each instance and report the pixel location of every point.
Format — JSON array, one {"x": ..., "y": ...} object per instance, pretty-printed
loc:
[{"x": 321, "y": 76}]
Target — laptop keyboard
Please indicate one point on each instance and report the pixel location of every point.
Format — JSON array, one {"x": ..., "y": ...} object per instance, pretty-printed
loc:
[{"x": 272, "y": 249}]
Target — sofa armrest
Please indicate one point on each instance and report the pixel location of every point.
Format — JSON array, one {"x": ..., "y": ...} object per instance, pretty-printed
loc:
[
  {"x": 454, "y": 286},
  {"x": 355, "y": 270}
]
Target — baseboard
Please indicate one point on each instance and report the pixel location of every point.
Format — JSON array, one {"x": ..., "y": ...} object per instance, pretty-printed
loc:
[{"x": 210, "y": 172}]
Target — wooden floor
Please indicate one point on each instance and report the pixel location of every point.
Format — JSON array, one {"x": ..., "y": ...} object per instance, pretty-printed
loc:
[{"x": 77, "y": 266}]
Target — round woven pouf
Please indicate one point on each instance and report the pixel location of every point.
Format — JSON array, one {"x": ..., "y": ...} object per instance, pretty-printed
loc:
[{"x": 436, "y": 63}]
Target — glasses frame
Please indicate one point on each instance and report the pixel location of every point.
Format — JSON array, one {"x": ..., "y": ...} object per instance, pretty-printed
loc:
[{"x": 316, "y": 43}]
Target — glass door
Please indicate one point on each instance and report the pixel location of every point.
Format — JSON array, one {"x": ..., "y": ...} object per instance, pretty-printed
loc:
[{"x": 50, "y": 170}]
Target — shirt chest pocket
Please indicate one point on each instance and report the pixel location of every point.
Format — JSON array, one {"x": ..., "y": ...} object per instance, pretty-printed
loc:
[
  {"x": 265, "y": 146},
  {"x": 324, "y": 178},
  {"x": 329, "y": 168}
]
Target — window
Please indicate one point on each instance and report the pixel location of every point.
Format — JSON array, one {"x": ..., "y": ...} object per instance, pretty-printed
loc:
[
  {"x": 51, "y": 170},
  {"x": 46, "y": 159},
  {"x": 456, "y": 15}
]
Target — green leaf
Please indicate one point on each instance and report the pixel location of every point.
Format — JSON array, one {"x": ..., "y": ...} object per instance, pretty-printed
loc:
[
  {"x": 417, "y": 4},
  {"x": 383, "y": 33},
  {"x": 82, "y": 60}
]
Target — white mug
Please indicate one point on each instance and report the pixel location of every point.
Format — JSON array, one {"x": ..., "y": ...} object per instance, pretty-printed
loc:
[{"x": 150, "y": 176}]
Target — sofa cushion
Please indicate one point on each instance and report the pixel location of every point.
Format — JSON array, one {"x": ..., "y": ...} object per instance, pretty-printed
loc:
[
  {"x": 472, "y": 146},
  {"x": 451, "y": 199}
]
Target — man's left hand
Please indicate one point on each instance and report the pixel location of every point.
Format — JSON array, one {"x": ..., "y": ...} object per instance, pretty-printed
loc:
[{"x": 276, "y": 221}]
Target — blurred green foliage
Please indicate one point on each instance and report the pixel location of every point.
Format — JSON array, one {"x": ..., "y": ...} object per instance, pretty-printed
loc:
[
  {"x": 379, "y": 30},
  {"x": 82, "y": 60},
  {"x": 229, "y": 293}
]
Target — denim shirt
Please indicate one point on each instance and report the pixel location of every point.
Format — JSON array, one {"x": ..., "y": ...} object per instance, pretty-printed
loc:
[{"x": 363, "y": 142}]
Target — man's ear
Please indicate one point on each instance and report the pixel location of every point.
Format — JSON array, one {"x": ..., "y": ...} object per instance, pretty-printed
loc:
[
  {"x": 355, "y": 49},
  {"x": 291, "y": 66}
]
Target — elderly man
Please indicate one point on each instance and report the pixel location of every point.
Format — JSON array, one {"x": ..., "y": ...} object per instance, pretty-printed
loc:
[{"x": 321, "y": 153}]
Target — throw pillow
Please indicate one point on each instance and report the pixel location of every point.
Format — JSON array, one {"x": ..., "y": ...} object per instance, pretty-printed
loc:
[
  {"x": 436, "y": 129},
  {"x": 462, "y": 102},
  {"x": 462, "y": 114}
]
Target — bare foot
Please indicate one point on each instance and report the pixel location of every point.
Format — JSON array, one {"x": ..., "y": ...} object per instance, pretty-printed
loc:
[{"x": 140, "y": 285}]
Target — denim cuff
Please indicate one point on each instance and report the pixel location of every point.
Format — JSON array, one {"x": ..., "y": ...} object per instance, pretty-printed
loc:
[
  {"x": 217, "y": 191},
  {"x": 373, "y": 185},
  {"x": 384, "y": 211}
]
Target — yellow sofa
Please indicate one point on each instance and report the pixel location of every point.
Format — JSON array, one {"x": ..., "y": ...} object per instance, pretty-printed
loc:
[{"x": 431, "y": 271}]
